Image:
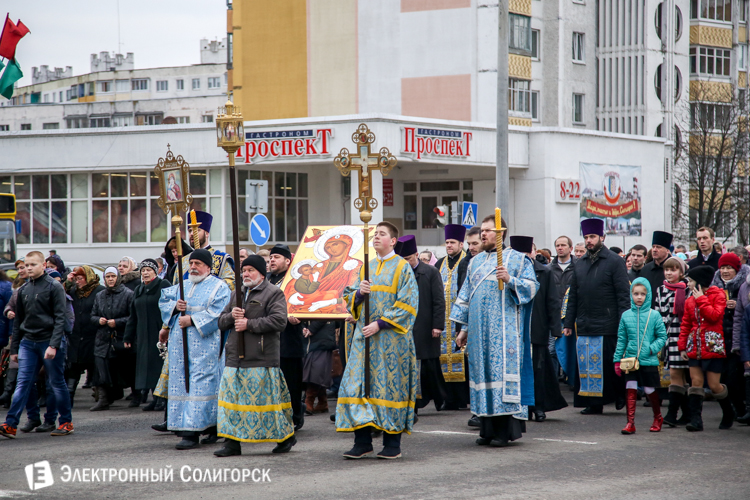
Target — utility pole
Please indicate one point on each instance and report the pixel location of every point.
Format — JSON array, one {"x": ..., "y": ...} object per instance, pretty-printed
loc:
[{"x": 502, "y": 181}]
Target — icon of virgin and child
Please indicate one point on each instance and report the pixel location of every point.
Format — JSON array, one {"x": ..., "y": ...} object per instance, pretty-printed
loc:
[{"x": 316, "y": 282}]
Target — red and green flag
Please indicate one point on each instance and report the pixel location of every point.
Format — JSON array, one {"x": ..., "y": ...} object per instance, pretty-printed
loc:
[{"x": 11, "y": 35}]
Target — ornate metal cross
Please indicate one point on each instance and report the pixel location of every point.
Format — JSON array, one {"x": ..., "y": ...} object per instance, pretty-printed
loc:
[{"x": 365, "y": 162}]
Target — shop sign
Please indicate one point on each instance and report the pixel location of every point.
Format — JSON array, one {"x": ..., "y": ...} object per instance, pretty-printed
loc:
[
  {"x": 294, "y": 144},
  {"x": 422, "y": 142}
]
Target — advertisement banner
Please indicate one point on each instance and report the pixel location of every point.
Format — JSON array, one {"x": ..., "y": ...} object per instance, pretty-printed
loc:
[{"x": 611, "y": 192}]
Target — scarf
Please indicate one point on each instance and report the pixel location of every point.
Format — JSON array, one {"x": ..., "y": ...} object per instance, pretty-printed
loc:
[
  {"x": 92, "y": 281},
  {"x": 735, "y": 283},
  {"x": 164, "y": 267},
  {"x": 112, "y": 270},
  {"x": 594, "y": 255},
  {"x": 679, "y": 290}
]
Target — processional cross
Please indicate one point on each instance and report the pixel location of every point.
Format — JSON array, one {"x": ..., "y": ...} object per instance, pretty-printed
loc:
[{"x": 365, "y": 162}]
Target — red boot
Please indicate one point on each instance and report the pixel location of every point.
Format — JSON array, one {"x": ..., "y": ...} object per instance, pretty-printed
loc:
[
  {"x": 630, "y": 407},
  {"x": 656, "y": 407}
]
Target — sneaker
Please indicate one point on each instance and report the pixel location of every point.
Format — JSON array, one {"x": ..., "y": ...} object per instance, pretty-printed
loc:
[
  {"x": 8, "y": 431},
  {"x": 46, "y": 427},
  {"x": 30, "y": 425},
  {"x": 389, "y": 453},
  {"x": 359, "y": 451},
  {"x": 63, "y": 430}
]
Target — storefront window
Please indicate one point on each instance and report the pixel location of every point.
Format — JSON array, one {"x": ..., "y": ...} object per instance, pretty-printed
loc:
[{"x": 410, "y": 212}]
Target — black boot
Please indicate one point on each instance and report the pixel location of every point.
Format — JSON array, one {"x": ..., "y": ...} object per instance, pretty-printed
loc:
[
  {"x": 135, "y": 399},
  {"x": 695, "y": 397},
  {"x": 745, "y": 419},
  {"x": 152, "y": 405},
  {"x": 231, "y": 447},
  {"x": 161, "y": 403},
  {"x": 676, "y": 399},
  {"x": 41, "y": 389},
  {"x": 286, "y": 445},
  {"x": 685, "y": 407},
  {"x": 72, "y": 385},
  {"x": 11, "y": 375},
  {"x": 727, "y": 417},
  {"x": 103, "y": 403}
]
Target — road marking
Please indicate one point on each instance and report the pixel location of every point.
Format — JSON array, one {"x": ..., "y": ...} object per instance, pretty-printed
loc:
[
  {"x": 447, "y": 432},
  {"x": 566, "y": 441}
]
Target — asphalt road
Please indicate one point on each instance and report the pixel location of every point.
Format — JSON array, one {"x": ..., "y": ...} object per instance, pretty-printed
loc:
[{"x": 568, "y": 456}]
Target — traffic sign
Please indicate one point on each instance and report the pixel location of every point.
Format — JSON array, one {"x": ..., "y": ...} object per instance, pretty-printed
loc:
[
  {"x": 469, "y": 214},
  {"x": 260, "y": 230},
  {"x": 256, "y": 196}
]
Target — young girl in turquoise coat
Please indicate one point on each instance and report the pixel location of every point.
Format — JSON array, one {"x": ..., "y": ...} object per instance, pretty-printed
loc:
[{"x": 641, "y": 335}]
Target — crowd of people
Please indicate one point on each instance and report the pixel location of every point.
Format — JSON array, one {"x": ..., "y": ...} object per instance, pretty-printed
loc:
[{"x": 495, "y": 330}]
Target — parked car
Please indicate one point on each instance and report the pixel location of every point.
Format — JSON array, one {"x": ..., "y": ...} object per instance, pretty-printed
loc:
[{"x": 10, "y": 269}]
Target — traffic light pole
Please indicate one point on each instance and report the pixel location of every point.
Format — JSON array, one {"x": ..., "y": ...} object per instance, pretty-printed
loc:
[{"x": 502, "y": 177}]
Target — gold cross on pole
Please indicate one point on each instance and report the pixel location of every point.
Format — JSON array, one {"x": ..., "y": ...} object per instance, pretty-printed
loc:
[{"x": 364, "y": 162}]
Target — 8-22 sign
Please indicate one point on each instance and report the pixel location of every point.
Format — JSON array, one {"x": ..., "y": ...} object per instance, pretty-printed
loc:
[{"x": 567, "y": 190}]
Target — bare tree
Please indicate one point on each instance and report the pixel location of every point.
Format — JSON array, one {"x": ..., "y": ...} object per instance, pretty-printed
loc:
[{"x": 711, "y": 162}]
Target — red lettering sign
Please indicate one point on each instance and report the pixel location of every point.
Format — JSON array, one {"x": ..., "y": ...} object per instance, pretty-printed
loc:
[
  {"x": 276, "y": 145},
  {"x": 387, "y": 192},
  {"x": 420, "y": 142},
  {"x": 611, "y": 211}
]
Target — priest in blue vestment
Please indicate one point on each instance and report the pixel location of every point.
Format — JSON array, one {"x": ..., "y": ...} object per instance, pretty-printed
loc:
[
  {"x": 495, "y": 328},
  {"x": 193, "y": 413}
]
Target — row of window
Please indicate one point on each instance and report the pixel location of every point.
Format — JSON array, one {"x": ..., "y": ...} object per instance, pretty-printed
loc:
[
  {"x": 112, "y": 121},
  {"x": 578, "y": 46},
  {"x": 521, "y": 99}
]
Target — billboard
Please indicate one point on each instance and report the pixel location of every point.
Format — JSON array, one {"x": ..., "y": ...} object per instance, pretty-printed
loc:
[{"x": 611, "y": 192}]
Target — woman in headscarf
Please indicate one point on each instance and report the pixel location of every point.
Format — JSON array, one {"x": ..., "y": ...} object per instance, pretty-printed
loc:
[
  {"x": 163, "y": 267},
  {"x": 170, "y": 255},
  {"x": 112, "y": 359},
  {"x": 55, "y": 262},
  {"x": 129, "y": 274},
  {"x": 142, "y": 332},
  {"x": 83, "y": 286}
]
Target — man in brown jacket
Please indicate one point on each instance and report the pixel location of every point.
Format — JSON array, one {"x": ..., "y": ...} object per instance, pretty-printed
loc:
[{"x": 254, "y": 401}]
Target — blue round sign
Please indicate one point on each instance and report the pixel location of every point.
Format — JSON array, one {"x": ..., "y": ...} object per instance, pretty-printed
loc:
[{"x": 260, "y": 229}]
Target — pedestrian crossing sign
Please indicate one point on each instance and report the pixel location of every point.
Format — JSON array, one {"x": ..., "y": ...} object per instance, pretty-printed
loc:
[{"x": 469, "y": 215}]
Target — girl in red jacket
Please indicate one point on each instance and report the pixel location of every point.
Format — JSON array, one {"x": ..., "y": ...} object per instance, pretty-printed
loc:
[{"x": 701, "y": 344}]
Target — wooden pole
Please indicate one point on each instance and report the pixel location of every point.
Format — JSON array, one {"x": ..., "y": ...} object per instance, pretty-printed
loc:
[
  {"x": 177, "y": 222},
  {"x": 236, "y": 245},
  {"x": 367, "y": 313}
]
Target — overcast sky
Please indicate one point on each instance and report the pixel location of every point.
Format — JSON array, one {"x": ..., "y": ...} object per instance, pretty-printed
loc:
[{"x": 159, "y": 32}]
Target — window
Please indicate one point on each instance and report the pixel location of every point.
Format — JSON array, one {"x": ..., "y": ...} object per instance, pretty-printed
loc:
[
  {"x": 61, "y": 97},
  {"x": 140, "y": 84},
  {"x": 579, "y": 52},
  {"x": 578, "y": 108},
  {"x": 519, "y": 33},
  {"x": 708, "y": 116},
  {"x": 230, "y": 50},
  {"x": 196, "y": 83},
  {"x": 535, "y": 44},
  {"x": 742, "y": 59},
  {"x": 46, "y": 97},
  {"x": 535, "y": 105},
  {"x": 743, "y": 11},
  {"x": 104, "y": 86},
  {"x": 26, "y": 126},
  {"x": 122, "y": 121},
  {"x": 518, "y": 95},
  {"x": 207, "y": 119},
  {"x": 709, "y": 61},
  {"x": 4, "y": 128},
  {"x": 162, "y": 85},
  {"x": 148, "y": 119},
  {"x": 50, "y": 126},
  {"x": 99, "y": 122},
  {"x": 182, "y": 119},
  {"x": 180, "y": 84},
  {"x": 122, "y": 85},
  {"x": 42, "y": 207},
  {"x": 79, "y": 122},
  {"x": 214, "y": 82},
  {"x": 714, "y": 10}
]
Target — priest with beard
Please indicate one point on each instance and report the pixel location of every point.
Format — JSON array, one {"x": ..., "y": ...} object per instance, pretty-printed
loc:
[
  {"x": 292, "y": 348},
  {"x": 192, "y": 413},
  {"x": 427, "y": 326}
]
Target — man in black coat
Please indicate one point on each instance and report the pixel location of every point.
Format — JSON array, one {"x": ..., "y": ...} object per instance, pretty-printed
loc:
[
  {"x": 545, "y": 318},
  {"x": 704, "y": 236},
  {"x": 427, "y": 326},
  {"x": 599, "y": 294},
  {"x": 292, "y": 344},
  {"x": 653, "y": 271},
  {"x": 474, "y": 244},
  {"x": 638, "y": 261},
  {"x": 563, "y": 349}
]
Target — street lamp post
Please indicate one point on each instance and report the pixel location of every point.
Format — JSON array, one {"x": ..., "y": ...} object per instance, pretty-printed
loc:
[{"x": 230, "y": 136}]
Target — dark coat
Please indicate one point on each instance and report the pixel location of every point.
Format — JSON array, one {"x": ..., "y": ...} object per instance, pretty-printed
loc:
[
  {"x": 635, "y": 274},
  {"x": 323, "y": 336},
  {"x": 143, "y": 331},
  {"x": 131, "y": 280},
  {"x": 545, "y": 313},
  {"x": 463, "y": 268},
  {"x": 171, "y": 264},
  {"x": 431, "y": 311},
  {"x": 40, "y": 313},
  {"x": 6, "y": 292},
  {"x": 112, "y": 303},
  {"x": 713, "y": 260},
  {"x": 81, "y": 348},
  {"x": 292, "y": 340},
  {"x": 599, "y": 294},
  {"x": 562, "y": 280},
  {"x": 265, "y": 310},
  {"x": 654, "y": 273}
]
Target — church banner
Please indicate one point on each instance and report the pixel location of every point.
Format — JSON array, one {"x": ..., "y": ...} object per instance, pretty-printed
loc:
[
  {"x": 328, "y": 260},
  {"x": 611, "y": 192}
]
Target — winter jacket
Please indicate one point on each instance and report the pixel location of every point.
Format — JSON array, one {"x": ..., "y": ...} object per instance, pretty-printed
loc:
[
  {"x": 323, "y": 336},
  {"x": 265, "y": 310},
  {"x": 562, "y": 277},
  {"x": 701, "y": 331},
  {"x": 131, "y": 280},
  {"x": 112, "y": 303},
  {"x": 40, "y": 313},
  {"x": 545, "y": 310},
  {"x": 713, "y": 260},
  {"x": 641, "y": 325},
  {"x": 431, "y": 311},
  {"x": 745, "y": 336},
  {"x": 654, "y": 273},
  {"x": 732, "y": 292},
  {"x": 292, "y": 340},
  {"x": 6, "y": 292},
  {"x": 743, "y": 303},
  {"x": 599, "y": 294},
  {"x": 81, "y": 347}
]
